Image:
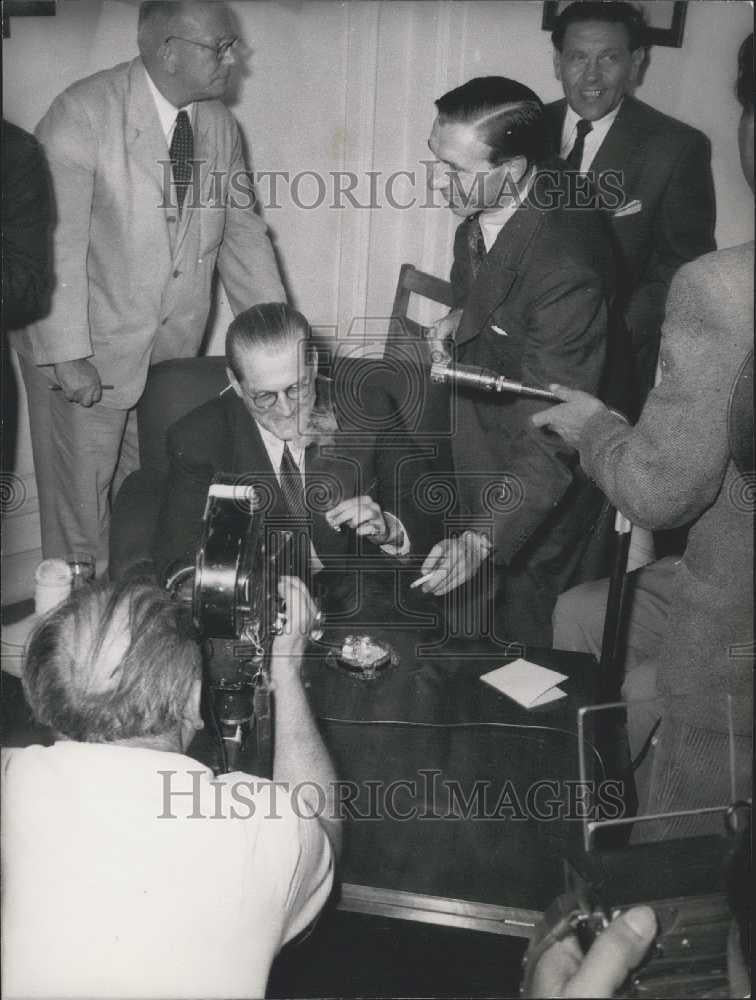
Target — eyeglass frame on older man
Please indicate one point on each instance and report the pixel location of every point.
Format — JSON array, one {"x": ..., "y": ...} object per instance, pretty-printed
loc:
[
  {"x": 220, "y": 49},
  {"x": 294, "y": 392}
]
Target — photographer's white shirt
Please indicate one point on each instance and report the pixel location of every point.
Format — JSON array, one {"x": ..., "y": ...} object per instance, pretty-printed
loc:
[{"x": 134, "y": 873}]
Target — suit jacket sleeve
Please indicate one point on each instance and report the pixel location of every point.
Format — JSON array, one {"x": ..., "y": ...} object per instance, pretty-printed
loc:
[
  {"x": 683, "y": 230},
  {"x": 70, "y": 144},
  {"x": 400, "y": 467},
  {"x": 566, "y": 340},
  {"x": 246, "y": 261},
  {"x": 402, "y": 464},
  {"x": 184, "y": 495},
  {"x": 27, "y": 217},
  {"x": 669, "y": 468}
]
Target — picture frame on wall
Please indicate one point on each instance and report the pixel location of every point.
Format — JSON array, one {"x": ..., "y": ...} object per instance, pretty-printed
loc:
[
  {"x": 25, "y": 8},
  {"x": 666, "y": 20}
]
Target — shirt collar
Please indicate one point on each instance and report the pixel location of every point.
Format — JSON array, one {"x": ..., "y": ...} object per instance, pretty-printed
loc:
[
  {"x": 601, "y": 126},
  {"x": 275, "y": 448},
  {"x": 167, "y": 112},
  {"x": 491, "y": 223}
]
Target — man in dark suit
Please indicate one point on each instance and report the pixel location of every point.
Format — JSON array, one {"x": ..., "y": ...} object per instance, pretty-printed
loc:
[
  {"x": 325, "y": 452},
  {"x": 675, "y": 467},
  {"x": 27, "y": 218},
  {"x": 532, "y": 280},
  {"x": 666, "y": 213}
]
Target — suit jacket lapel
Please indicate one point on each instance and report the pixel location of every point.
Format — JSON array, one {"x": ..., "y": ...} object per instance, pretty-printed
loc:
[
  {"x": 623, "y": 144},
  {"x": 147, "y": 147},
  {"x": 329, "y": 482},
  {"x": 250, "y": 459},
  {"x": 498, "y": 270},
  {"x": 325, "y": 487}
]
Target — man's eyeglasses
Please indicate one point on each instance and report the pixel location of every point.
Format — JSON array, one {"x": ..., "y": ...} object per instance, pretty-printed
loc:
[
  {"x": 220, "y": 49},
  {"x": 266, "y": 400}
]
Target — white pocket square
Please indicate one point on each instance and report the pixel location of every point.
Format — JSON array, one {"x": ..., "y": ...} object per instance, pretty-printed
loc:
[{"x": 632, "y": 208}]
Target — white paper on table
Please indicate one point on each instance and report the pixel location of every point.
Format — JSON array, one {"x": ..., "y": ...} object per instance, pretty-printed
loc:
[{"x": 526, "y": 683}]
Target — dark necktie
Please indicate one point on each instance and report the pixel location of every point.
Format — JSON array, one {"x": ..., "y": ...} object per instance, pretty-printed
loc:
[
  {"x": 182, "y": 154},
  {"x": 576, "y": 153},
  {"x": 291, "y": 484},
  {"x": 477, "y": 246}
]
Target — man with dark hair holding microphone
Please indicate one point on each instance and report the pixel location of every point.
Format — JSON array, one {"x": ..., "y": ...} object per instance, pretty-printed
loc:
[{"x": 532, "y": 281}]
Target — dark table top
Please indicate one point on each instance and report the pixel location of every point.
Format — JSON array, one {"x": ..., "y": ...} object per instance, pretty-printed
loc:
[{"x": 449, "y": 788}]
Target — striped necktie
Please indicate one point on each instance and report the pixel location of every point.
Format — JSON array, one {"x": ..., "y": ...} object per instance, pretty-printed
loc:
[
  {"x": 182, "y": 154},
  {"x": 291, "y": 484}
]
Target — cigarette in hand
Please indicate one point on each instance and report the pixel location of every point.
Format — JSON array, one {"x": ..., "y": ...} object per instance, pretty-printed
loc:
[{"x": 421, "y": 580}]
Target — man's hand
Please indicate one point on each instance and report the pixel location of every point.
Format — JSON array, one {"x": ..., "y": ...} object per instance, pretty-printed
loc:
[
  {"x": 563, "y": 970},
  {"x": 80, "y": 381},
  {"x": 300, "y": 618},
  {"x": 300, "y": 758},
  {"x": 441, "y": 334},
  {"x": 569, "y": 418},
  {"x": 364, "y": 515},
  {"x": 453, "y": 561}
]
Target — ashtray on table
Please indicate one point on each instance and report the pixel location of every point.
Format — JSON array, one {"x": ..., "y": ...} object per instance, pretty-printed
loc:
[{"x": 363, "y": 657}]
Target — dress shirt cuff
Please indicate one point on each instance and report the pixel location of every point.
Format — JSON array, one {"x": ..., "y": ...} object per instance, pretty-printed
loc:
[{"x": 401, "y": 544}]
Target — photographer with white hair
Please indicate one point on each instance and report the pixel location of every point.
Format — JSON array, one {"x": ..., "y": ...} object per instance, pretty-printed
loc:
[{"x": 129, "y": 869}]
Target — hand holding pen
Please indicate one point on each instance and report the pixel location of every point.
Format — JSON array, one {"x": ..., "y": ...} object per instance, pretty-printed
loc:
[{"x": 79, "y": 381}]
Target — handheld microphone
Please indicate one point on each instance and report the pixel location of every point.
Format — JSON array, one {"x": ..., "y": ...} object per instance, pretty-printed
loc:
[{"x": 446, "y": 373}]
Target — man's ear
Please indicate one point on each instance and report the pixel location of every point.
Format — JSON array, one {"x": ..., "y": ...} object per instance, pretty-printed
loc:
[
  {"x": 234, "y": 382},
  {"x": 509, "y": 174},
  {"x": 192, "y": 712},
  {"x": 166, "y": 58},
  {"x": 557, "y": 64},
  {"x": 637, "y": 58},
  {"x": 518, "y": 167}
]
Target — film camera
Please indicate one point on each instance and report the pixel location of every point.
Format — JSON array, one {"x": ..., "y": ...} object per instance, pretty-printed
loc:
[
  {"x": 232, "y": 587},
  {"x": 233, "y": 590}
]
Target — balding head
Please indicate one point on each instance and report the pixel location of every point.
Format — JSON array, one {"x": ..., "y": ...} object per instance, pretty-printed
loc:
[
  {"x": 115, "y": 663},
  {"x": 186, "y": 47}
]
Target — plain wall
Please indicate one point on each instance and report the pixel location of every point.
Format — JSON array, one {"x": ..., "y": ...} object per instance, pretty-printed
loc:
[{"x": 350, "y": 86}]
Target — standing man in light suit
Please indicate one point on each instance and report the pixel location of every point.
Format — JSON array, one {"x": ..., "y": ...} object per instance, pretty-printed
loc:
[
  {"x": 667, "y": 213},
  {"x": 151, "y": 196}
]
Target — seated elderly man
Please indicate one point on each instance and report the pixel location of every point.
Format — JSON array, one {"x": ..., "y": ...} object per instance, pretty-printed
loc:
[
  {"x": 129, "y": 870},
  {"x": 329, "y": 453}
]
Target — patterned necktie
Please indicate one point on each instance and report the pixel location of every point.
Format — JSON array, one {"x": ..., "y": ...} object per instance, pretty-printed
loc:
[
  {"x": 182, "y": 154},
  {"x": 576, "y": 153},
  {"x": 476, "y": 245},
  {"x": 291, "y": 484}
]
